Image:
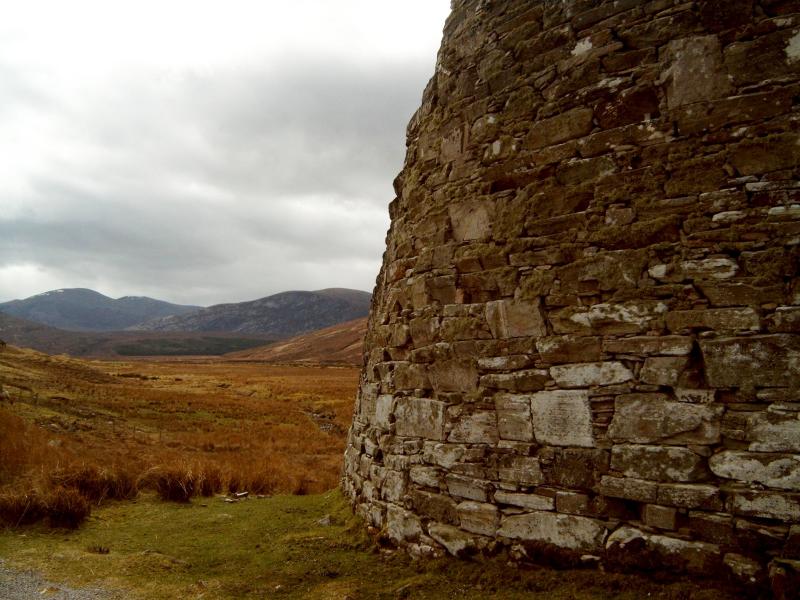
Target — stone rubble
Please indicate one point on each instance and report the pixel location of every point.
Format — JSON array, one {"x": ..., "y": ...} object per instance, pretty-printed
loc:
[{"x": 585, "y": 336}]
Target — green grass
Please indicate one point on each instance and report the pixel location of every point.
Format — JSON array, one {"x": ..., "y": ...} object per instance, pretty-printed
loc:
[
  {"x": 203, "y": 346},
  {"x": 274, "y": 547}
]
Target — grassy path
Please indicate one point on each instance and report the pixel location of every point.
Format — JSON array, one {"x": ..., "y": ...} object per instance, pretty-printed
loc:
[{"x": 277, "y": 547}]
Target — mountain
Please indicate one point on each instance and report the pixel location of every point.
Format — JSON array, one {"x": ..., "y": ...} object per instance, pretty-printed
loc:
[
  {"x": 79, "y": 309},
  {"x": 114, "y": 344},
  {"x": 342, "y": 343},
  {"x": 282, "y": 315}
]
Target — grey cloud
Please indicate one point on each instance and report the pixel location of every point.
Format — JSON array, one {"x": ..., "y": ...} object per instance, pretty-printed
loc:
[{"x": 222, "y": 186}]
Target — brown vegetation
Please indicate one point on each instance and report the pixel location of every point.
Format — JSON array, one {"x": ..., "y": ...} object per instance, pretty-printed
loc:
[
  {"x": 340, "y": 344},
  {"x": 78, "y": 433}
]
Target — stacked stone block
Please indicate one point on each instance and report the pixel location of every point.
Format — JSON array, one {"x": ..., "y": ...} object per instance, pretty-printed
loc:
[{"x": 584, "y": 336}]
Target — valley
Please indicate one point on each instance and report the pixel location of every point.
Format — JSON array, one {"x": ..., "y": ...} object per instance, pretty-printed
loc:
[{"x": 256, "y": 450}]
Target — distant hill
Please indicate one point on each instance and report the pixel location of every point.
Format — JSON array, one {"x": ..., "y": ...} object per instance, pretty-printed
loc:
[
  {"x": 342, "y": 343},
  {"x": 80, "y": 309},
  {"x": 114, "y": 344},
  {"x": 283, "y": 315}
]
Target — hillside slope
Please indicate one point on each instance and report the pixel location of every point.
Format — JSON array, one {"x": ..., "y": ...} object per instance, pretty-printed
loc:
[
  {"x": 341, "y": 343},
  {"x": 80, "y": 309},
  {"x": 112, "y": 344},
  {"x": 281, "y": 315}
]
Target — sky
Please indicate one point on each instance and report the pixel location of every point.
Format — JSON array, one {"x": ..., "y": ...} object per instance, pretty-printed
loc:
[{"x": 204, "y": 152}]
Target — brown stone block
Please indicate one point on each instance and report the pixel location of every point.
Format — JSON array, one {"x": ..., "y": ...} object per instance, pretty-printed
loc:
[
  {"x": 773, "y": 58},
  {"x": 604, "y": 271},
  {"x": 696, "y": 71},
  {"x": 713, "y": 528},
  {"x": 763, "y": 360},
  {"x": 515, "y": 318},
  {"x": 521, "y": 470},
  {"x": 782, "y": 506},
  {"x": 569, "y": 125},
  {"x": 659, "y": 463},
  {"x": 662, "y": 517},
  {"x": 609, "y": 319},
  {"x": 649, "y": 418},
  {"x": 453, "y": 376},
  {"x": 420, "y": 417},
  {"x": 741, "y": 294},
  {"x": 574, "y": 468},
  {"x": 528, "y": 380},
  {"x": 694, "y": 118},
  {"x": 638, "y": 235},
  {"x": 667, "y": 345},
  {"x": 568, "y": 349},
  {"x": 754, "y": 157},
  {"x": 434, "y": 506},
  {"x": 514, "y": 417},
  {"x": 663, "y": 370},
  {"x": 629, "y": 488},
  {"x": 475, "y": 427}
]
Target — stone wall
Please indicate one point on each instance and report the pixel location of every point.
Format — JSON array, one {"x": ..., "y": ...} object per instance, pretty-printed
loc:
[{"x": 584, "y": 338}]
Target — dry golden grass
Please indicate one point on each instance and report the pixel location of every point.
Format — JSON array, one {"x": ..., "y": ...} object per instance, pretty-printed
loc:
[{"x": 181, "y": 428}]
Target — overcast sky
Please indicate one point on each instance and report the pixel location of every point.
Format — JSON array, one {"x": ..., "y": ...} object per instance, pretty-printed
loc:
[{"x": 204, "y": 152}]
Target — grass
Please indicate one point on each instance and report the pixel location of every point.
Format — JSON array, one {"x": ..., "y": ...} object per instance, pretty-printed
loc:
[
  {"x": 182, "y": 428},
  {"x": 277, "y": 547},
  {"x": 202, "y": 346}
]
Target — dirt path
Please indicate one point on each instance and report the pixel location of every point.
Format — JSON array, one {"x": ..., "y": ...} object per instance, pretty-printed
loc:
[{"x": 27, "y": 585}]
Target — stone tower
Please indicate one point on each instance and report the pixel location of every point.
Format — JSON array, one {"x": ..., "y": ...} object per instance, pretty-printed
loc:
[{"x": 584, "y": 337}]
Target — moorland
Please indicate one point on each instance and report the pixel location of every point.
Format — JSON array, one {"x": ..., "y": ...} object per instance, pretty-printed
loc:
[{"x": 217, "y": 478}]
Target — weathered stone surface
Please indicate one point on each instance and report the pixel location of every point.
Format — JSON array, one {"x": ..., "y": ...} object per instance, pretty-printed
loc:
[
  {"x": 589, "y": 303},
  {"x": 588, "y": 374},
  {"x": 420, "y": 417},
  {"x": 523, "y": 470},
  {"x": 774, "y": 432},
  {"x": 515, "y": 318},
  {"x": 676, "y": 554},
  {"x": 668, "y": 345},
  {"x": 438, "y": 507},
  {"x": 480, "y": 426},
  {"x": 565, "y": 349},
  {"x": 647, "y": 418},
  {"x": 402, "y": 525},
  {"x": 565, "y": 531},
  {"x": 454, "y": 540},
  {"x": 763, "y": 360},
  {"x": 479, "y": 517},
  {"x": 658, "y": 463},
  {"x": 528, "y": 380},
  {"x": 781, "y": 471},
  {"x": 661, "y": 517},
  {"x": 467, "y": 487},
  {"x": 529, "y": 501},
  {"x": 663, "y": 370},
  {"x": 724, "y": 320},
  {"x": 629, "y": 488},
  {"x": 687, "y": 495},
  {"x": 696, "y": 71},
  {"x": 384, "y": 406},
  {"x": 562, "y": 418},
  {"x": 767, "y": 505},
  {"x": 425, "y": 476},
  {"x": 514, "y": 418}
]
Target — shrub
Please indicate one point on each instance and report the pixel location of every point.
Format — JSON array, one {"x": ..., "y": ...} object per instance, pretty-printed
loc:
[
  {"x": 174, "y": 484},
  {"x": 211, "y": 481},
  {"x": 21, "y": 508},
  {"x": 66, "y": 507},
  {"x": 97, "y": 484}
]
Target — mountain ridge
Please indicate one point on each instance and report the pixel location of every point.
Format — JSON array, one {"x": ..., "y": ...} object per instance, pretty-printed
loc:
[
  {"x": 83, "y": 309},
  {"x": 282, "y": 315}
]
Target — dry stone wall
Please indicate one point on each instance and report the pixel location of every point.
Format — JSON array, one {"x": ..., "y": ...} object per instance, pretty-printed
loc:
[{"x": 584, "y": 337}]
